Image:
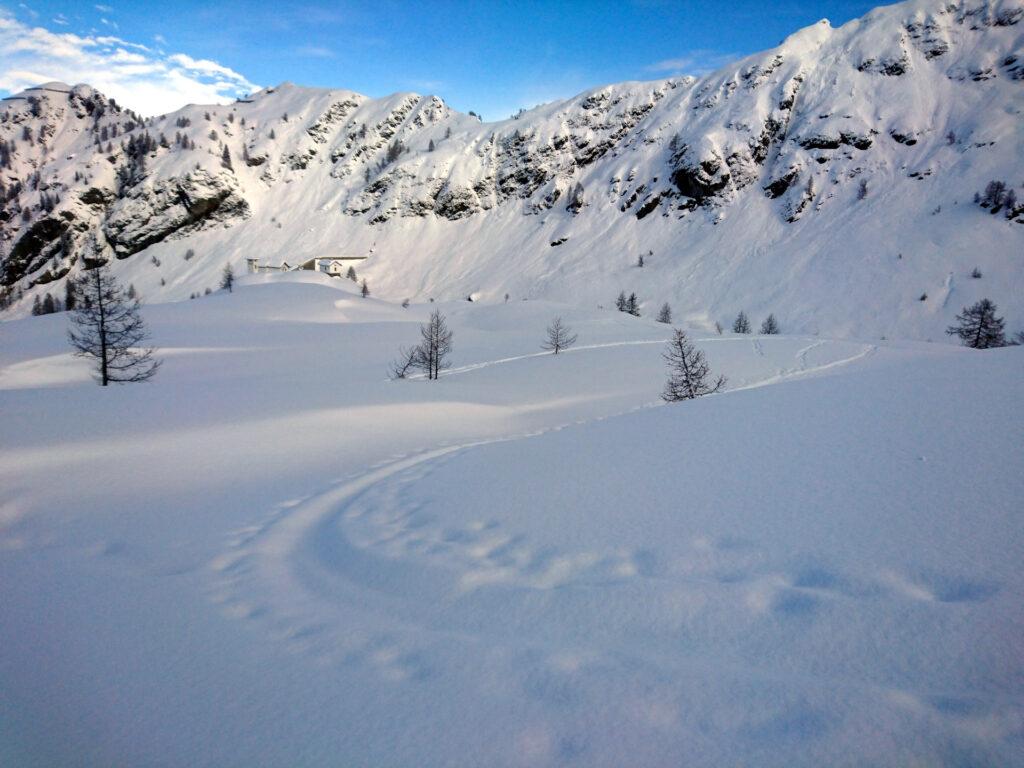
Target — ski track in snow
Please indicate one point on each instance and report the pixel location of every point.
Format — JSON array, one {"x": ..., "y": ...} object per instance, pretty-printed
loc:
[
  {"x": 504, "y": 360},
  {"x": 314, "y": 556}
]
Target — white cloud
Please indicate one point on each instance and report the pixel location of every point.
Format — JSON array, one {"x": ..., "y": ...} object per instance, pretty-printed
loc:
[
  {"x": 696, "y": 62},
  {"x": 104, "y": 8},
  {"x": 145, "y": 80}
]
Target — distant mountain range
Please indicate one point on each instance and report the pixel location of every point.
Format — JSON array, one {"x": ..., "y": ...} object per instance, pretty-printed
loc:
[{"x": 841, "y": 181}]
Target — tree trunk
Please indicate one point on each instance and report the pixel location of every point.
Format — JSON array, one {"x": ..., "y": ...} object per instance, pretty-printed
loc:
[{"x": 104, "y": 377}]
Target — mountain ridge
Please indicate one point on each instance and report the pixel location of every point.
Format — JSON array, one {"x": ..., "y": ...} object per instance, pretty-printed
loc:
[{"x": 830, "y": 180}]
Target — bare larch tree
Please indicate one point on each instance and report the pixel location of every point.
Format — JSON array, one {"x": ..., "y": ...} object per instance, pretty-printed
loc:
[
  {"x": 436, "y": 345},
  {"x": 107, "y": 327},
  {"x": 978, "y": 326},
  {"x": 688, "y": 371},
  {"x": 560, "y": 336}
]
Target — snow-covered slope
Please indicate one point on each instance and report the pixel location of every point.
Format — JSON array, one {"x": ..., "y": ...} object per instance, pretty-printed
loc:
[
  {"x": 270, "y": 555},
  {"x": 830, "y": 180}
]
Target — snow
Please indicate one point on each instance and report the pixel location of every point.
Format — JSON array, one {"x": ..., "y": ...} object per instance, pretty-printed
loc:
[{"x": 270, "y": 554}]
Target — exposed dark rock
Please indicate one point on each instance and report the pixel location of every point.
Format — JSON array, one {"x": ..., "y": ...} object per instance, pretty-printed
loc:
[
  {"x": 32, "y": 249},
  {"x": 778, "y": 187},
  {"x": 901, "y": 138}
]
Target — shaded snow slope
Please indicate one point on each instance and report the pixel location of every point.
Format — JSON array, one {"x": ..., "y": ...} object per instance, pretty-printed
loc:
[
  {"x": 829, "y": 180},
  {"x": 271, "y": 555}
]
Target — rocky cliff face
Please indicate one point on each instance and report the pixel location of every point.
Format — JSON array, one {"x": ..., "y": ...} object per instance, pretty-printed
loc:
[{"x": 846, "y": 133}]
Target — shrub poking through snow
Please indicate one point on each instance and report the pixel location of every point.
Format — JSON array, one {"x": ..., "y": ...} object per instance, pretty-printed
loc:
[
  {"x": 688, "y": 371},
  {"x": 560, "y": 336}
]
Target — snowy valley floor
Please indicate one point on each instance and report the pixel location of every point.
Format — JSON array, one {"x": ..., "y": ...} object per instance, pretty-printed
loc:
[{"x": 271, "y": 555}]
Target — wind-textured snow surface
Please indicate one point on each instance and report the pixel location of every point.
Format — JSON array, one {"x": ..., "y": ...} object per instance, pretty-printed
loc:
[
  {"x": 270, "y": 555},
  {"x": 830, "y": 180}
]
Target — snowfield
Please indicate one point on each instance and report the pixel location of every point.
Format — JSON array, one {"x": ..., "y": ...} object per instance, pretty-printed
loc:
[{"x": 272, "y": 555}]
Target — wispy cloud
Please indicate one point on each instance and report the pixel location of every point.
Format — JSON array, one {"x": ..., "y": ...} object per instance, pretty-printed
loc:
[
  {"x": 104, "y": 8},
  {"x": 139, "y": 77},
  {"x": 314, "y": 52},
  {"x": 695, "y": 62}
]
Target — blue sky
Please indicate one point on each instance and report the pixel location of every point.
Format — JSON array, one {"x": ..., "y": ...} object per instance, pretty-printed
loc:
[{"x": 491, "y": 57}]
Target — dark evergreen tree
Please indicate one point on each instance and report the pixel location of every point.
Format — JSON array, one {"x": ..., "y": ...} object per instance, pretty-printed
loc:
[
  {"x": 395, "y": 150},
  {"x": 48, "y": 306},
  {"x": 664, "y": 314},
  {"x": 351, "y": 274},
  {"x": 69, "y": 294},
  {"x": 689, "y": 372},
  {"x": 225, "y": 158},
  {"x": 108, "y": 328},
  {"x": 560, "y": 336},
  {"x": 227, "y": 278},
  {"x": 741, "y": 324},
  {"x": 979, "y": 327},
  {"x": 620, "y": 301},
  {"x": 37, "y": 305},
  {"x": 364, "y": 289},
  {"x": 770, "y": 326},
  {"x": 633, "y": 305}
]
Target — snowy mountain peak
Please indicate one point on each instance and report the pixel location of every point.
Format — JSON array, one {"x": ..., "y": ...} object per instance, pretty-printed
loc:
[
  {"x": 808, "y": 39},
  {"x": 831, "y": 180}
]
